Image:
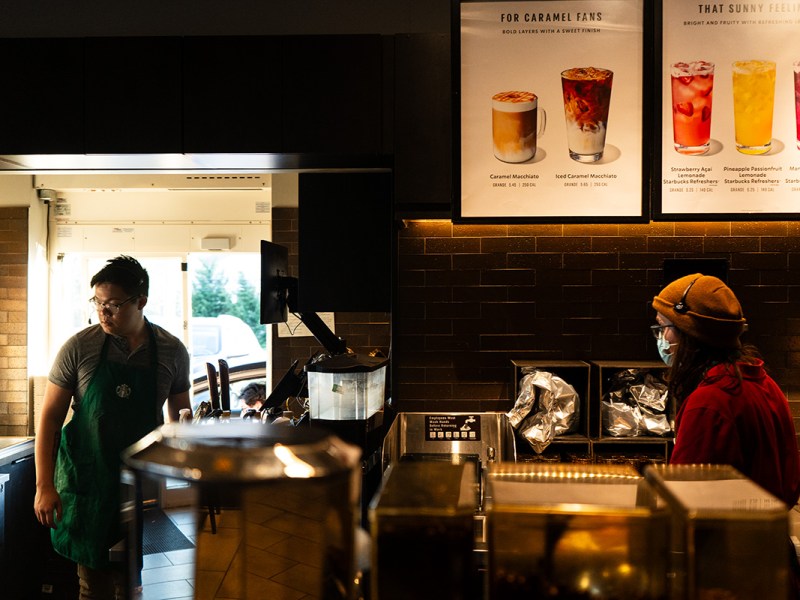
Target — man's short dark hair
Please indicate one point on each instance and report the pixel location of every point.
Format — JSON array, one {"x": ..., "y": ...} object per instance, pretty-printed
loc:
[{"x": 126, "y": 272}]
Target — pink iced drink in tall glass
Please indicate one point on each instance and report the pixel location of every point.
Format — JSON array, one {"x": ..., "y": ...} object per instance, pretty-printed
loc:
[
  {"x": 692, "y": 92},
  {"x": 797, "y": 98}
]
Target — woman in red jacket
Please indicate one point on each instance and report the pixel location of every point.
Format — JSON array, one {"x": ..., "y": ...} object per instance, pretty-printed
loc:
[{"x": 729, "y": 410}]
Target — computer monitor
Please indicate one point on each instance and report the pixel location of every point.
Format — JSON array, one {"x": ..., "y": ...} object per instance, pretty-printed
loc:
[{"x": 279, "y": 297}]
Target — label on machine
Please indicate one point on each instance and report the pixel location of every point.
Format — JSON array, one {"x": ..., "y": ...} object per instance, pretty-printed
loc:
[{"x": 449, "y": 428}]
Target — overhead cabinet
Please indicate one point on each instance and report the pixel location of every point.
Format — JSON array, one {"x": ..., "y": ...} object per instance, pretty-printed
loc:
[
  {"x": 332, "y": 94},
  {"x": 339, "y": 98},
  {"x": 41, "y": 103},
  {"x": 321, "y": 94},
  {"x": 133, "y": 95},
  {"x": 232, "y": 94},
  {"x": 422, "y": 125},
  {"x": 315, "y": 94}
]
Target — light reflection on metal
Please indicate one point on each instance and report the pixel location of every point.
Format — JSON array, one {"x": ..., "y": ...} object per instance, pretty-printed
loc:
[
  {"x": 293, "y": 466},
  {"x": 179, "y": 163}
]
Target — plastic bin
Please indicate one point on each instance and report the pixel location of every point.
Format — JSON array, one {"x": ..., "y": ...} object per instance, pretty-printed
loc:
[{"x": 346, "y": 387}]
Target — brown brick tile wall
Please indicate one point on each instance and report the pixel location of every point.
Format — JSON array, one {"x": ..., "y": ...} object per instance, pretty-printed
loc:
[
  {"x": 13, "y": 321},
  {"x": 471, "y": 298}
]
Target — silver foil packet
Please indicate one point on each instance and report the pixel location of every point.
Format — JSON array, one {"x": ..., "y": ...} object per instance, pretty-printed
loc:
[
  {"x": 636, "y": 404},
  {"x": 546, "y": 406}
]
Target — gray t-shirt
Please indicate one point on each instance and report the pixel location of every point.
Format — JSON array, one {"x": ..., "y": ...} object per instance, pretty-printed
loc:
[{"x": 77, "y": 360}]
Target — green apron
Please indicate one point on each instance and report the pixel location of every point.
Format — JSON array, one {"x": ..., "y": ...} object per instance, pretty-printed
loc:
[{"x": 118, "y": 408}]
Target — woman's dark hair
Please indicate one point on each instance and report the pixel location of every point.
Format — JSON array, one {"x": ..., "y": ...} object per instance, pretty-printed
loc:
[
  {"x": 252, "y": 393},
  {"x": 693, "y": 359},
  {"x": 125, "y": 272}
]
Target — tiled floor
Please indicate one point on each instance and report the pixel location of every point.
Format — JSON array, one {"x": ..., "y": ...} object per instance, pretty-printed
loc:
[
  {"x": 273, "y": 550},
  {"x": 170, "y": 575}
]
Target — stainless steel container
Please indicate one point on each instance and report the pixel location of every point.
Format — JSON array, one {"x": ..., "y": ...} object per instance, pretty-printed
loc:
[
  {"x": 473, "y": 439},
  {"x": 574, "y": 531},
  {"x": 423, "y": 538},
  {"x": 481, "y": 437},
  {"x": 730, "y": 538},
  {"x": 276, "y": 507}
]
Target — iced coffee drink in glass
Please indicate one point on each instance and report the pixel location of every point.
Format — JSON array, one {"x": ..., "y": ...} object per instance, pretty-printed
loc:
[
  {"x": 692, "y": 92},
  {"x": 516, "y": 123},
  {"x": 753, "y": 100},
  {"x": 587, "y": 95}
]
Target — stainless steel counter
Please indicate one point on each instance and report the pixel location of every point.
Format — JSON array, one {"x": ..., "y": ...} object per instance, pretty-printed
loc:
[{"x": 13, "y": 447}]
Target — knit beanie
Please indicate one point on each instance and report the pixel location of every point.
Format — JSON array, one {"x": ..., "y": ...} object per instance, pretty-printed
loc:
[{"x": 703, "y": 307}]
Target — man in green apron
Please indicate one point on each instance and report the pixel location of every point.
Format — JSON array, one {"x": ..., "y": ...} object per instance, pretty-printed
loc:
[{"x": 117, "y": 375}]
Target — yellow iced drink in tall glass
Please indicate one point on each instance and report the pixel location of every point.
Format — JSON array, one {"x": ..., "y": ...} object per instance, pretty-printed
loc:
[{"x": 753, "y": 100}]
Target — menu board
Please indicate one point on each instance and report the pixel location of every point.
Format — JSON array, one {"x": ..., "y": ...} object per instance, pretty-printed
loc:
[
  {"x": 730, "y": 118},
  {"x": 549, "y": 111}
]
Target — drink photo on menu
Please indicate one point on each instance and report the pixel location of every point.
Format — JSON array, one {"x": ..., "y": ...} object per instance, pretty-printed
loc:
[
  {"x": 516, "y": 126},
  {"x": 587, "y": 98}
]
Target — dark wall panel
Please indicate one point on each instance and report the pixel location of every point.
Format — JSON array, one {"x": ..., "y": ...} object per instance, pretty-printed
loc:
[
  {"x": 42, "y": 96},
  {"x": 133, "y": 95},
  {"x": 232, "y": 94},
  {"x": 423, "y": 124},
  {"x": 345, "y": 242},
  {"x": 332, "y": 94}
]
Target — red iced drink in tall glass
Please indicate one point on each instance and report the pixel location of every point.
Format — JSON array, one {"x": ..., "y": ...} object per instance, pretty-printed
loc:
[{"x": 692, "y": 92}]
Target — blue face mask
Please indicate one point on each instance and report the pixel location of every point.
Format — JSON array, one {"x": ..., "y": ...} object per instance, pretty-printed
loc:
[{"x": 664, "y": 348}]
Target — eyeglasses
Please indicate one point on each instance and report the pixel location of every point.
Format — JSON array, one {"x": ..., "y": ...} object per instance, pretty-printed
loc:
[
  {"x": 111, "y": 307},
  {"x": 658, "y": 330}
]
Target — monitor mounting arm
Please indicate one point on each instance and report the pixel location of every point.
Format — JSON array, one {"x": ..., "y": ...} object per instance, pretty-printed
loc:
[{"x": 329, "y": 340}]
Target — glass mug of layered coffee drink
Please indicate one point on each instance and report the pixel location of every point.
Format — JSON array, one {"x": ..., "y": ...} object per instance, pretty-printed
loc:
[
  {"x": 692, "y": 93},
  {"x": 587, "y": 97},
  {"x": 753, "y": 102},
  {"x": 517, "y": 122}
]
